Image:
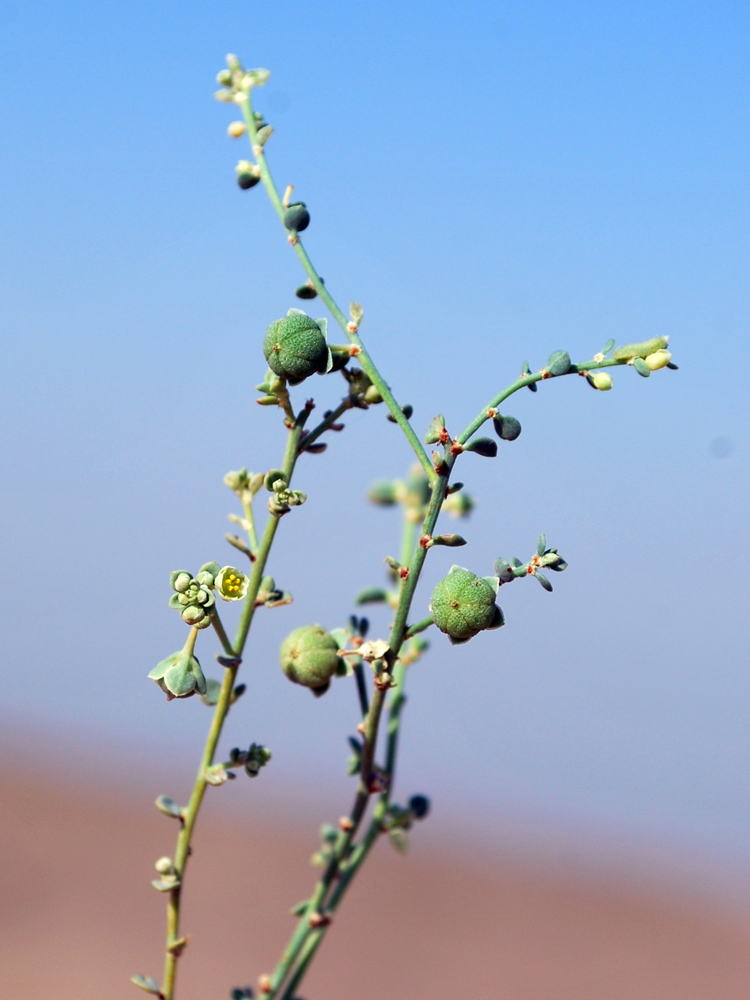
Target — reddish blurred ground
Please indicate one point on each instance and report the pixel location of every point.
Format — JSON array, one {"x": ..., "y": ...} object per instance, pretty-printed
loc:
[{"x": 79, "y": 917}]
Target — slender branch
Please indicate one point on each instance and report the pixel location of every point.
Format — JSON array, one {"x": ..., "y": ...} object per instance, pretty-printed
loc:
[
  {"x": 306, "y": 936},
  {"x": 221, "y": 633},
  {"x": 419, "y": 626},
  {"x": 235, "y": 649},
  {"x": 483, "y": 415},
  {"x": 349, "y": 329},
  {"x": 345, "y": 404},
  {"x": 251, "y": 533}
]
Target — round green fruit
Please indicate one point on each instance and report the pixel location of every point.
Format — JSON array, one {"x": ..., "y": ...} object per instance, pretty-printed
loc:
[
  {"x": 296, "y": 217},
  {"x": 463, "y": 604},
  {"x": 309, "y": 656},
  {"x": 295, "y": 348}
]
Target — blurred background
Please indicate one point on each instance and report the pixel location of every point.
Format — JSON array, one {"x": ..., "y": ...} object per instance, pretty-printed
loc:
[{"x": 492, "y": 181}]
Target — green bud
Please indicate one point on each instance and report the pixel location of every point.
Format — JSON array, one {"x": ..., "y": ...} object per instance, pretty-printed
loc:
[
  {"x": 600, "y": 380},
  {"x": 295, "y": 347},
  {"x": 641, "y": 367},
  {"x": 195, "y": 616},
  {"x": 558, "y": 363},
  {"x": 372, "y": 395},
  {"x": 309, "y": 656},
  {"x": 383, "y": 493},
  {"x": 208, "y": 573},
  {"x": 659, "y": 359},
  {"x": 296, "y": 217},
  {"x": 180, "y": 580},
  {"x": 163, "y": 866},
  {"x": 642, "y": 350},
  {"x": 459, "y": 504},
  {"x": 236, "y": 480},
  {"x": 507, "y": 428},
  {"x": 462, "y": 604},
  {"x": 231, "y": 584}
]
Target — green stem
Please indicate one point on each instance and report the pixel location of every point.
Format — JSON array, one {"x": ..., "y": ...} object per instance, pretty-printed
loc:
[
  {"x": 349, "y": 329},
  {"x": 345, "y": 404},
  {"x": 221, "y": 633},
  {"x": 419, "y": 626},
  {"x": 306, "y": 938},
  {"x": 251, "y": 533},
  {"x": 483, "y": 415},
  {"x": 220, "y": 713}
]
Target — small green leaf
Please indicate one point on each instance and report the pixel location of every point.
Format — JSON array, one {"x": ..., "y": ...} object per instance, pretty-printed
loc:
[
  {"x": 544, "y": 582},
  {"x": 507, "y": 428},
  {"x": 436, "y": 430},
  {"x": 608, "y": 346},
  {"x": 299, "y": 908},
  {"x": 452, "y": 541},
  {"x": 482, "y": 446},
  {"x": 373, "y": 595},
  {"x": 399, "y": 839},
  {"x": 146, "y": 983},
  {"x": 641, "y": 367},
  {"x": 541, "y": 545},
  {"x": 168, "y": 806},
  {"x": 558, "y": 363}
]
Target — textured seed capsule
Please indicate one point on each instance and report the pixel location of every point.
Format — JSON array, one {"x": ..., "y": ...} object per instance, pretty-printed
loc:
[
  {"x": 463, "y": 604},
  {"x": 295, "y": 348},
  {"x": 308, "y": 656}
]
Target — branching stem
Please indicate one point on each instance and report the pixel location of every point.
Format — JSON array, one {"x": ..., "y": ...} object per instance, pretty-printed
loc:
[{"x": 363, "y": 356}]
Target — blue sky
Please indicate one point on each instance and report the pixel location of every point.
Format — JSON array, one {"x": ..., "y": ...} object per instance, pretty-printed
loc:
[{"x": 491, "y": 182}]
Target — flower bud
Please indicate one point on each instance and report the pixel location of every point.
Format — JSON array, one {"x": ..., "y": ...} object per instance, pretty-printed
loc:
[
  {"x": 180, "y": 580},
  {"x": 236, "y": 130},
  {"x": 372, "y": 395},
  {"x": 295, "y": 348},
  {"x": 309, "y": 656},
  {"x": 296, "y": 217},
  {"x": 600, "y": 380},
  {"x": 163, "y": 866},
  {"x": 659, "y": 359},
  {"x": 463, "y": 604},
  {"x": 224, "y": 77}
]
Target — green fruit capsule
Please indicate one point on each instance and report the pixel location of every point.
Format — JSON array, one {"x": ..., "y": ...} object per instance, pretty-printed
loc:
[
  {"x": 296, "y": 217},
  {"x": 295, "y": 348},
  {"x": 309, "y": 657},
  {"x": 463, "y": 604}
]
